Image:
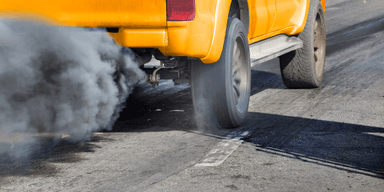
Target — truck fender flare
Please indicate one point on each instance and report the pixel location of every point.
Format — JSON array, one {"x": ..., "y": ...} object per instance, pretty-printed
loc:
[{"x": 221, "y": 19}]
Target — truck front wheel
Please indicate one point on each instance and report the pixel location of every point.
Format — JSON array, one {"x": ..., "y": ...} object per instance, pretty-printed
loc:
[
  {"x": 303, "y": 68},
  {"x": 220, "y": 91}
]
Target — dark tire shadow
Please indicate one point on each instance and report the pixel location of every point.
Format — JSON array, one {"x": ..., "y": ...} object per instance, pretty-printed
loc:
[{"x": 349, "y": 147}]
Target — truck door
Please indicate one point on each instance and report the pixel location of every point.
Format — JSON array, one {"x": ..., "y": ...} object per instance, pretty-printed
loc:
[
  {"x": 289, "y": 13},
  {"x": 262, "y": 17}
]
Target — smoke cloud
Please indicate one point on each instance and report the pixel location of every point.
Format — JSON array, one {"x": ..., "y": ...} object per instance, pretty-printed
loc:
[{"x": 61, "y": 80}]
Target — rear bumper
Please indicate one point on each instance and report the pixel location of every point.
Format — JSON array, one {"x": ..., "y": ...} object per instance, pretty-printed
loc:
[
  {"x": 179, "y": 38},
  {"x": 153, "y": 38}
]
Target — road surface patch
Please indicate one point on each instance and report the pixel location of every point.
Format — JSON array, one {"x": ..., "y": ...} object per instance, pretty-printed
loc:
[{"x": 223, "y": 149}]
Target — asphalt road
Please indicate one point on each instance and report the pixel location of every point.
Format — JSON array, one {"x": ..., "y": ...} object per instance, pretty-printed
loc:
[{"x": 325, "y": 139}]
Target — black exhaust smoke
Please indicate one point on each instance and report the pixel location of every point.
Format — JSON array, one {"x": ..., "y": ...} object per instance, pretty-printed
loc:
[{"x": 60, "y": 80}]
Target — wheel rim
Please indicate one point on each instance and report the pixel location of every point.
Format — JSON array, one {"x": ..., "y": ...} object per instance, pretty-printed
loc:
[
  {"x": 239, "y": 75},
  {"x": 319, "y": 45}
]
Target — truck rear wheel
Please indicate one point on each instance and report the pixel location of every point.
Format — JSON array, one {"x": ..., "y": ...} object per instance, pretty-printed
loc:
[
  {"x": 220, "y": 91},
  {"x": 303, "y": 68}
]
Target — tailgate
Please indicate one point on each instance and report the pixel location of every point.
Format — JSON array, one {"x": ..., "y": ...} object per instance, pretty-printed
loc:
[{"x": 90, "y": 13}]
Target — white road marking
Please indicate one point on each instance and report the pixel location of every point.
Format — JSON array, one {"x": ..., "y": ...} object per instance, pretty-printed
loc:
[{"x": 223, "y": 149}]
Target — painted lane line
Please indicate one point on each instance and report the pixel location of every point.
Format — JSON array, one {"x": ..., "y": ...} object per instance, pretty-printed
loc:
[{"x": 222, "y": 150}]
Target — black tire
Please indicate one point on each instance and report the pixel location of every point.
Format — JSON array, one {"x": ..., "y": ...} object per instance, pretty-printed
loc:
[
  {"x": 304, "y": 67},
  {"x": 220, "y": 91}
]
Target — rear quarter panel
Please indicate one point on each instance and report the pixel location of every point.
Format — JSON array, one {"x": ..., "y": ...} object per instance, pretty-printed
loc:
[{"x": 204, "y": 36}]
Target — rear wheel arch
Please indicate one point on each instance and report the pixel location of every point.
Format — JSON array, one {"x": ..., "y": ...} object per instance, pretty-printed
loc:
[
  {"x": 240, "y": 9},
  {"x": 223, "y": 9}
]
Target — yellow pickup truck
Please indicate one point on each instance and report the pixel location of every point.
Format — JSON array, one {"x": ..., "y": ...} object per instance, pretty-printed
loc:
[{"x": 203, "y": 42}]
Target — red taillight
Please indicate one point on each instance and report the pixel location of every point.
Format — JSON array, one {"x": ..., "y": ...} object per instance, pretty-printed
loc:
[{"x": 180, "y": 10}]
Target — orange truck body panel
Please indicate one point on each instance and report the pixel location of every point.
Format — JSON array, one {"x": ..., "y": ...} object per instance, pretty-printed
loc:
[{"x": 143, "y": 24}]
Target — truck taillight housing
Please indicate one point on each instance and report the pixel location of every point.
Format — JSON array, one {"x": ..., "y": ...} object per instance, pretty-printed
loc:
[{"x": 180, "y": 10}]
